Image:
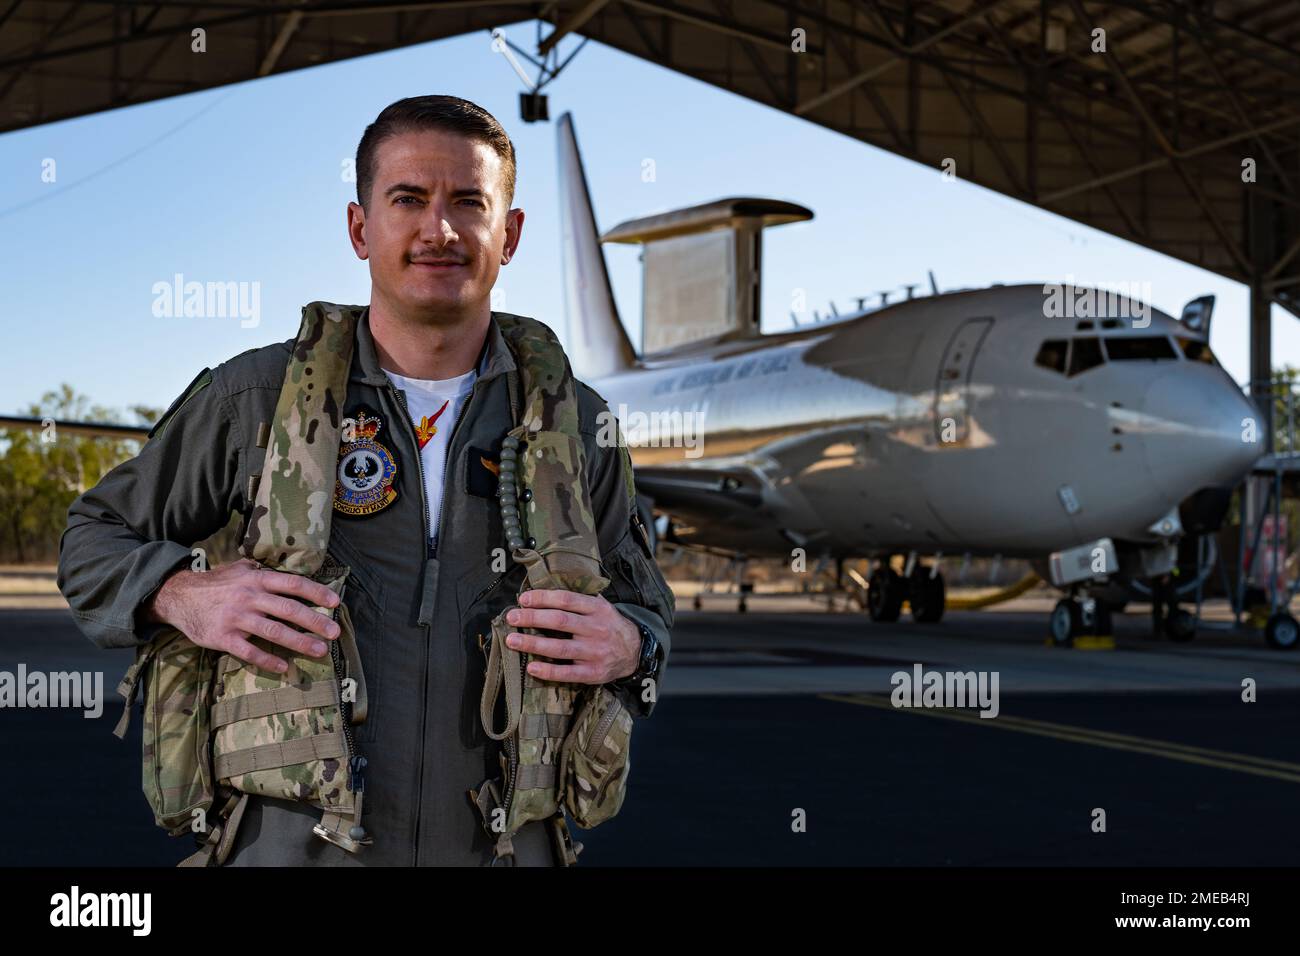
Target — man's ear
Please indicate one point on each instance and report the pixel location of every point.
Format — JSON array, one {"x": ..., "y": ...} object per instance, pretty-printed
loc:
[
  {"x": 356, "y": 218},
  {"x": 514, "y": 230}
]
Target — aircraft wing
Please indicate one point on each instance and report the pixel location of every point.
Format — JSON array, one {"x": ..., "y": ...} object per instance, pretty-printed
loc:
[
  {"x": 88, "y": 429},
  {"x": 700, "y": 490}
]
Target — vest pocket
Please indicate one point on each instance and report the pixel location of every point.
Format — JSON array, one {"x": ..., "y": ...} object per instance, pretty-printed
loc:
[
  {"x": 595, "y": 761},
  {"x": 289, "y": 736},
  {"x": 177, "y": 759}
]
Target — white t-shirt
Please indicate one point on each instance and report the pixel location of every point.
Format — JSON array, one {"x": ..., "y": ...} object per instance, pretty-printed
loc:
[{"x": 433, "y": 406}]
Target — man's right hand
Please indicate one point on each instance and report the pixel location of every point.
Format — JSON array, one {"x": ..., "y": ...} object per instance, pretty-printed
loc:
[{"x": 221, "y": 608}]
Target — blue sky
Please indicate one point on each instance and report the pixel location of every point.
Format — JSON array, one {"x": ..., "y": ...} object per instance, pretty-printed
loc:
[{"x": 244, "y": 184}]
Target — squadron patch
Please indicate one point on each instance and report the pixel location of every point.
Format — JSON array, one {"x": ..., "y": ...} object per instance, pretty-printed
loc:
[{"x": 366, "y": 469}]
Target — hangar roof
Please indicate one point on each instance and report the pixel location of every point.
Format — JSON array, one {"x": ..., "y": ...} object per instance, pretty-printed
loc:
[{"x": 1183, "y": 135}]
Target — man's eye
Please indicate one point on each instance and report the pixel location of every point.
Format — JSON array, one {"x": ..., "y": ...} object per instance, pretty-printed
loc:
[
  {"x": 400, "y": 198},
  {"x": 474, "y": 201}
]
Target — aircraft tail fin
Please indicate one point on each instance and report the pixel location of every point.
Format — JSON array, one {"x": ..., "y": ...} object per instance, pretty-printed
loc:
[{"x": 598, "y": 345}]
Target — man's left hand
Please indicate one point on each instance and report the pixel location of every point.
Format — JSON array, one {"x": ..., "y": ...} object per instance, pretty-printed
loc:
[{"x": 604, "y": 647}]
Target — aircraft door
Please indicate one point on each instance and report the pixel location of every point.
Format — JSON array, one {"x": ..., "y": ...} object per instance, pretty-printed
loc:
[{"x": 952, "y": 387}]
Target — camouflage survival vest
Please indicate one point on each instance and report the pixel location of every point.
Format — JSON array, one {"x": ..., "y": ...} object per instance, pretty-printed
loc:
[
  {"x": 218, "y": 729},
  {"x": 563, "y": 744}
]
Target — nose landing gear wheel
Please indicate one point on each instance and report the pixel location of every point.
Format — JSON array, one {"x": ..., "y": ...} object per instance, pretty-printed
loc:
[
  {"x": 884, "y": 595},
  {"x": 1282, "y": 631},
  {"x": 1066, "y": 622}
]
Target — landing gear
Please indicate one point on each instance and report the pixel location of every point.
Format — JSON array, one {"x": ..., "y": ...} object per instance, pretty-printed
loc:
[
  {"x": 1180, "y": 625},
  {"x": 742, "y": 587},
  {"x": 1066, "y": 622},
  {"x": 1167, "y": 617},
  {"x": 925, "y": 593},
  {"x": 1077, "y": 616},
  {"x": 923, "y": 589},
  {"x": 1282, "y": 631},
  {"x": 885, "y": 593}
]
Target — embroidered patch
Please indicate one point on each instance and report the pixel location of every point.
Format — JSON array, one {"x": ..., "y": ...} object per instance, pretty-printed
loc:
[
  {"x": 367, "y": 468},
  {"x": 484, "y": 470}
]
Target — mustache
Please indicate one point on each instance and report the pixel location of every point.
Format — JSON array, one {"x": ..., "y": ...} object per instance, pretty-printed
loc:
[{"x": 441, "y": 260}]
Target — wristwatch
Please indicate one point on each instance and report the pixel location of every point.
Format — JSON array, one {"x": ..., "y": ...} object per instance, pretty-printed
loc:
[{"x": 647, "y": 664}]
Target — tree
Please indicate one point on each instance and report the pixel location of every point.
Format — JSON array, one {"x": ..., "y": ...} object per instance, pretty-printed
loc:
[{"x": 43, "y": 471}]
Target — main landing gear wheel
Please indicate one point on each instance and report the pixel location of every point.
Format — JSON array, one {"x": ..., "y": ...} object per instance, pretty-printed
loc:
[
  {"x": 1282, "y": 631},
  {"x": 1180, "y": 625},
  {"x": 1066, "y": 622},
  {"x": 925, "y": 594},
  {"x": 884, "y": 595}
]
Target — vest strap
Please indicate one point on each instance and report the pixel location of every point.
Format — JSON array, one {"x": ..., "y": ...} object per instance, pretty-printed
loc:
[
  {"x": 279, "y": 700},
  {"x": 544, "y": 725},
  {"x": 286, "y": 754},
  {"x": 504, "y": 666},
  {"x": 535, "y": 776}
]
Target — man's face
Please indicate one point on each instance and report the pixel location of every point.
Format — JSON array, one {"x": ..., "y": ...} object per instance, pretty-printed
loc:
[{"x": 437, "y": 230}]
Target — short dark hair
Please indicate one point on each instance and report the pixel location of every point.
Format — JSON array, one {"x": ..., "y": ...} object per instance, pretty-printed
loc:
[{"x": 434, "y": 112}]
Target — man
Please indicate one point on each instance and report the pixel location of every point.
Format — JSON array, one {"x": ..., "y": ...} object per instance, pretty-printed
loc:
[{"x": 433, "y": 377}]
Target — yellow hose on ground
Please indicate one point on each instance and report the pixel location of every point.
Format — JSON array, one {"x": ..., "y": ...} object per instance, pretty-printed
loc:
[{"x": 997, "y": 597}]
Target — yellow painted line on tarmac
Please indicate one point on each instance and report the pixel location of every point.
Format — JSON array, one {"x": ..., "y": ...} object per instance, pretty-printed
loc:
[{"x": 1223, "y": 759}]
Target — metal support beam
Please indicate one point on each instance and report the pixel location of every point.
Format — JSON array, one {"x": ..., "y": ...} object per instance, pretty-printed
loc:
[
  {"x": 900, "y": 54},
  {"x": 988, "y": 135},
  {"x": 45, "y": 41},
  {"x": 656, "y": 50},
  {"x": 573, "y": 21},
  {"x": 761, "y": 68},
  {"x": 877, "y": 101},
  {"x": 282, "y": 38},
  {"x": 726, "y": 27},
  {"x": 1193, "y": 187},
  {"x": 1168, "y": 159}
]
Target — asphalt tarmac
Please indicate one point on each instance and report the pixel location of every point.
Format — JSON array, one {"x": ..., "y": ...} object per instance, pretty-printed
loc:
[{"x": 775, "y": 742}]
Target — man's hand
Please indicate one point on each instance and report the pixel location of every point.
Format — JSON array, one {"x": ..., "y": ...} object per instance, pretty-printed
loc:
[
  {"x": 604, "y": 647},
  {"x": 220, "y": 609}
]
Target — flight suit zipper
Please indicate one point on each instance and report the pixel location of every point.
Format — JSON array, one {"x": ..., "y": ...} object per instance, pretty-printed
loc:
[
  {"x": 419, "y": 464},
  {"x": 356, "y": 763},
  {"x": 428, "y": 552}
]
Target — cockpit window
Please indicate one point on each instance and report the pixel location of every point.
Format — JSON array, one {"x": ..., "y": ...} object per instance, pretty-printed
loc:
[
  {"x": 1051, "y": 354},
  {"x": 1134, "y": 348},
  {"x": 1197, "y": 350},
  {"x": 1086, "y": 354}
]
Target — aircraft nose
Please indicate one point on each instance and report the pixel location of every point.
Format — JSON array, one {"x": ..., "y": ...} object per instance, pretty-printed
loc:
[{"x": 1197, "y": 430}]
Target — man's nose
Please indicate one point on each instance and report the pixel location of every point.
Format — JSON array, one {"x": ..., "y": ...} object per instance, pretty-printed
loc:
[
  {"x": 437, "y": 230},
  {"x": 435, "y": 225}
]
